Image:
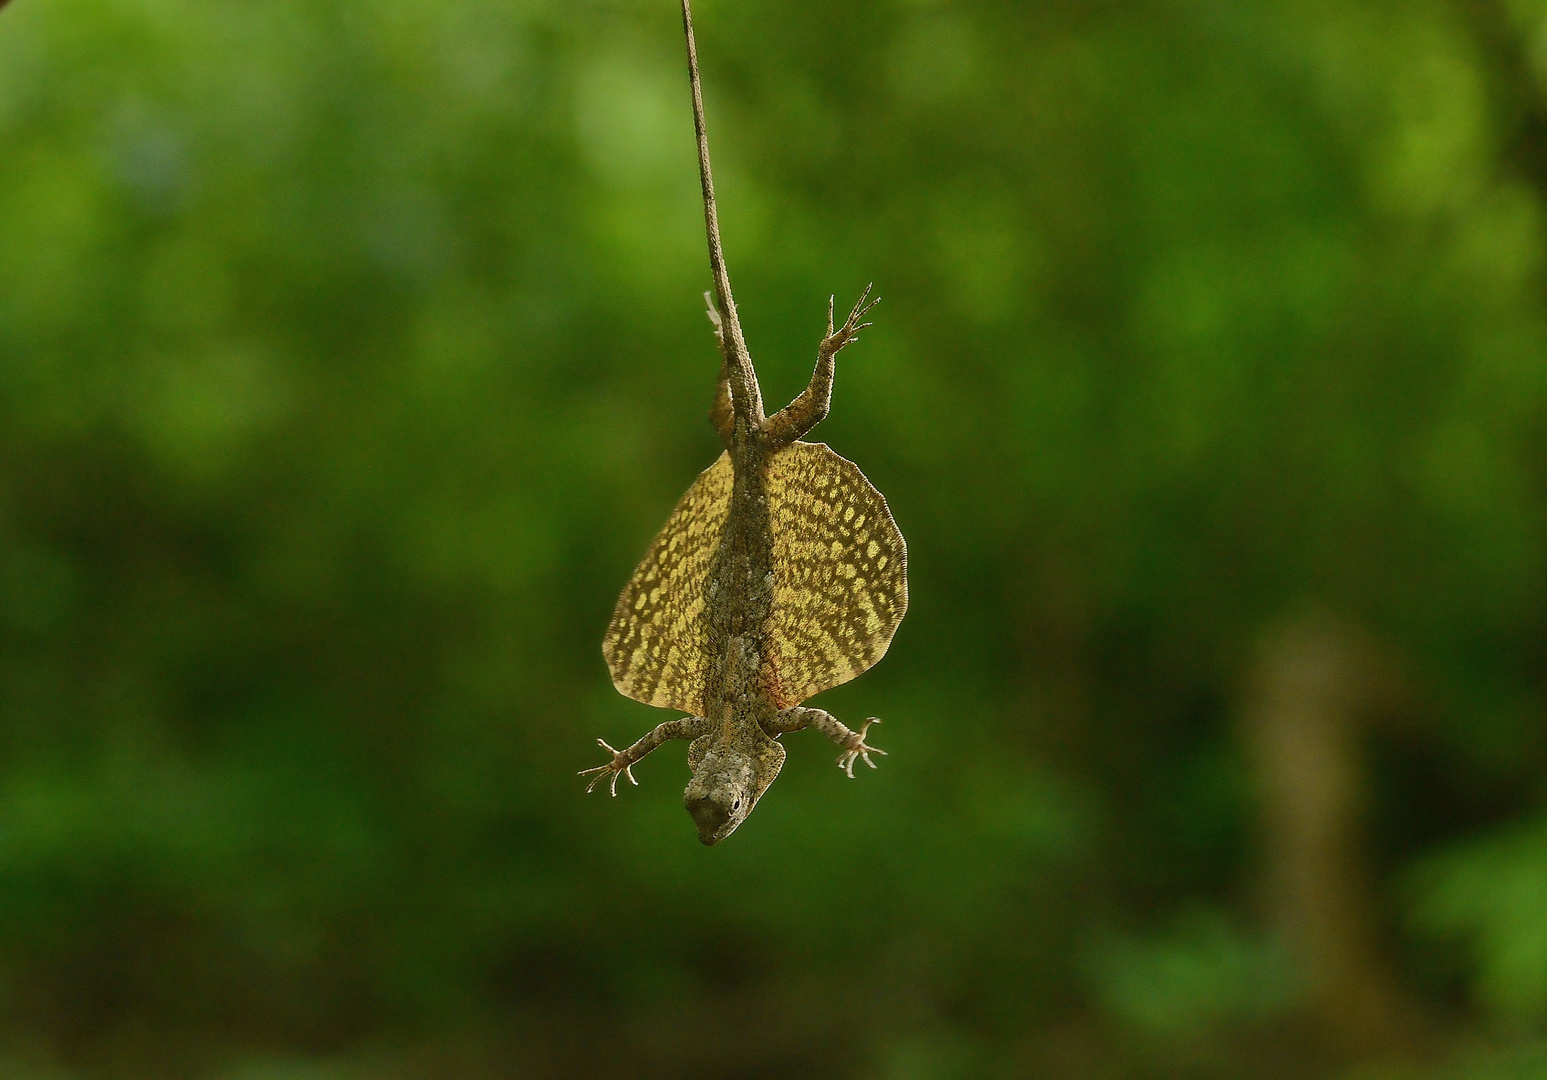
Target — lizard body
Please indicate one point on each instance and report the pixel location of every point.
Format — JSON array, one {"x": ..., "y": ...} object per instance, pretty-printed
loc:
[{"x": 779, "y": 574}]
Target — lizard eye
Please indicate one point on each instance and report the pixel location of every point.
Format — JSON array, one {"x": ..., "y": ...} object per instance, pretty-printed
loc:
[{"x": 736, "y": 805}]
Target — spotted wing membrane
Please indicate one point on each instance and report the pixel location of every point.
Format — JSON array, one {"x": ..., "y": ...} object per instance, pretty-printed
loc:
[
  {"x": 657, "y": 644},
  {"x": 840, "y": 572}
]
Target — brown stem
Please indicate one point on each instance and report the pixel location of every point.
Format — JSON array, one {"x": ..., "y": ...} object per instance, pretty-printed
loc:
[
  {"x": 1316, "y": 680},
  {"x": 744, "y": 389}
]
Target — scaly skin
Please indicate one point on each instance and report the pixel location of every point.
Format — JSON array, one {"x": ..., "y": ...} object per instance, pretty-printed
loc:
[{"x": 734, "y": 755}]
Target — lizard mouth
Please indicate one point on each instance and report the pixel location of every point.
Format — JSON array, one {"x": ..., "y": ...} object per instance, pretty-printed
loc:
[{"x": 715, "y": 820}]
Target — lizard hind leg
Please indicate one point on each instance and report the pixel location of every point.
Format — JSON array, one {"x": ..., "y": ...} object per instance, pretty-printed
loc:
[
  {"x": 810, "y": 407},
  {"x": 722, "y": 413}
]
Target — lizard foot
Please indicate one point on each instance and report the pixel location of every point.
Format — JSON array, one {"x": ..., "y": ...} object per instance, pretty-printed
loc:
[
  {"x": 614, "y": 768},
  {"x": 837, "y": 339},
  {"x": 856, "y": 748}
]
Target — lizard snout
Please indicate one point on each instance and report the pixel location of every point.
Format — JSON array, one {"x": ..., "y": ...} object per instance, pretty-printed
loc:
[
  {"x": 720, "y": 795},
  {"x": 711, "y": 814}
]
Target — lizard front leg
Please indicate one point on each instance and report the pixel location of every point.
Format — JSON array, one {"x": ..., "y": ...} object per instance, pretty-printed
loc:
[
  {"x": 689, "y": 727},
  {"x": 810, "y": 407},
  {"x": 853, "y": 742}
]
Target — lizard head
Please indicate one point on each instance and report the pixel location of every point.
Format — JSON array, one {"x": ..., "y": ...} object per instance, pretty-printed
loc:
[{"x": 726, "y": 784}]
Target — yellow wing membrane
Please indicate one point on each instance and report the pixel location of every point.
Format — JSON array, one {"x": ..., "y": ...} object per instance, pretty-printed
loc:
[
  {"x": 840, "y": 584},
  {"x": 657, "y": 644},
  {"x": 840, "y": 572}
]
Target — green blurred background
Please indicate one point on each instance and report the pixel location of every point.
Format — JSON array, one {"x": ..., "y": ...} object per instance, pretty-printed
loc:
[{"x": 351, "y": 352}]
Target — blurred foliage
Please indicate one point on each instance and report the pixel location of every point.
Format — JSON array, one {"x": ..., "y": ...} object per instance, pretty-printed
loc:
[
  {"x": 1494, "y": 893},
  {"x": 351, "y": 351}
]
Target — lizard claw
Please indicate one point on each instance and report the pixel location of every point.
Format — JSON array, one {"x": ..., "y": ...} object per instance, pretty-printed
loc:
[
  {"x": 618, "y": 765},
  {"x": 856, "y": 748},
  {"x": 837, "y": 339}
]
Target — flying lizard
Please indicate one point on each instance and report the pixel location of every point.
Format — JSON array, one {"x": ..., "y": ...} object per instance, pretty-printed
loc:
[{"x": 779, "y": 574}]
